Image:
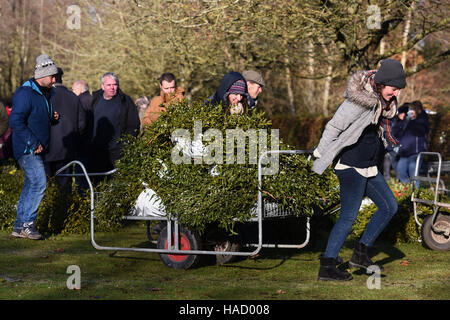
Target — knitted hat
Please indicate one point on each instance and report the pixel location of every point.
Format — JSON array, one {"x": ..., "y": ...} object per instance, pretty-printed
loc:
[
  {"x": 254, "y": 76},
  {"x": 404, "y": 108},
  {"x": 44, "y": 67},
  {"x": 239, "y": 87},
  {"x": 391, "y": 73}
]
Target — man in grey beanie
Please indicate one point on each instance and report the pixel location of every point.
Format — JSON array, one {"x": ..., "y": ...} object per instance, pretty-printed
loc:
[{"x": 31, "y": 116}]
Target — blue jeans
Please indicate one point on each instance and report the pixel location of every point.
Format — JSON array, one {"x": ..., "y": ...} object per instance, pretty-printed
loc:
[
  {"x": 33, "y": 188},
  {"x": 406, "y": 167},
  {"x": 353, "y": 187}
]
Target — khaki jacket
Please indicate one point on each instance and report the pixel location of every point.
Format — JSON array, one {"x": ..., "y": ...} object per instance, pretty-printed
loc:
[{"x": 160, "y": 103}]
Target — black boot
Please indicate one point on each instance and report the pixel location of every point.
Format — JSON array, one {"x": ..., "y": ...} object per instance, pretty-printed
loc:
[
  {"x": 339, "y": 260},
  {"x": 328, "y": 271},
  {"x": 360, "y": 257}
]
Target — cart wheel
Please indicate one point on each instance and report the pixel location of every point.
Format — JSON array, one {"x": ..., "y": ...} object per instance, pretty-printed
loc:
[
  {"x": 188, "y": 241},
  {"x": 229, "y": 244},
  {"x": 433, "y": 240}
]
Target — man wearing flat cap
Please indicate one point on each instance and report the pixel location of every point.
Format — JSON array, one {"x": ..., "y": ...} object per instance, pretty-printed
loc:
[
  {"x": 255, "y": 85},
  {"x": 31, "y": 116}
]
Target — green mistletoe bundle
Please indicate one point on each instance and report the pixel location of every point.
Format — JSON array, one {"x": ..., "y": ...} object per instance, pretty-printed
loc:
[{"x": 202, "y": 164}]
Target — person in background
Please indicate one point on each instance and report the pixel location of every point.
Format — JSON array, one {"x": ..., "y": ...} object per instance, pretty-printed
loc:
[
  {"x": 169, "y": 93},
  {"x": 255, "y": 86},
  {"x": 81, "y": 89},
  {"x": 65, "y": 136},
  {"x": 232, "y": 94},
  {"x": 115, "y": 115},
  {"x": 390, "y": 158},
  {"x": 142, "y": 104},
  {"x": 30, "y": 120},
  {"x": 4, "y": 119},
  {"x": 5, "y": 133},
  {"x": 352, "y": 140},
  {"x": 412, "y": 130}
]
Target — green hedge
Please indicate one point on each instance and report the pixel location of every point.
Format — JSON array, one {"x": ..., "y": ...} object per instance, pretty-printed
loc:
[
  {"x": 11, "y": 182},
  {"x": 402, "y": 227},
  {"x": 58, "y": 213}
]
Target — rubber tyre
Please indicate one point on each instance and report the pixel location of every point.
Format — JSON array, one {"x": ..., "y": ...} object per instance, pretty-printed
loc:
[
  {"x": 189, "y": 240},
  {"x": 433, "y": 240},
  {"x": 227, "y": 245}
]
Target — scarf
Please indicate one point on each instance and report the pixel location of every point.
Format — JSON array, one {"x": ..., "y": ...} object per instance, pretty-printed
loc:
[{"x": 383, "y": 109}]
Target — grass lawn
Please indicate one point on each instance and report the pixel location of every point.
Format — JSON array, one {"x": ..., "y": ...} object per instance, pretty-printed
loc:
[{"x": 38, "y": 270}]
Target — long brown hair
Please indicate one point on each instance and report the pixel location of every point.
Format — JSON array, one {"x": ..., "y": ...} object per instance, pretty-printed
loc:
[
  {"x": 378, "y": 88},
  {"x": 416, "y": 106}
]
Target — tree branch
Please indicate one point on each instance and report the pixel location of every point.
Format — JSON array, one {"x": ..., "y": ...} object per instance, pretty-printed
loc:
[
  {"x": 411, "y": 43},
  {"x": 428, "y": 63}
]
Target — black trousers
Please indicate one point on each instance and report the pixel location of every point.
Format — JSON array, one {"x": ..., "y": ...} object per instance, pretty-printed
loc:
[
  {"x": 64, "y": 183},
  {"x": 102, "y": 160}
]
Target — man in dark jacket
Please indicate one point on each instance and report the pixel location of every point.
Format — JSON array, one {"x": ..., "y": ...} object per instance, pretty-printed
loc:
[
  {"x": 81, "y": 89},
  {"x": 30, "y": 120},
  {"x": 65, "y": 135},
  {"x": 115, "y": 115}
]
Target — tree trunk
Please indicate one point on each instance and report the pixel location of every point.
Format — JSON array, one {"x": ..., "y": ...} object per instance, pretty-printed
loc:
[
  {"x": 326, "y": 91},
  {"x": 290, "y": 91},
  {"x": 310, "y": 82},
  {"x": 41, "y": 24},
  {"x": 382, "y": 46},
  {"x": 405, "y": 35}
]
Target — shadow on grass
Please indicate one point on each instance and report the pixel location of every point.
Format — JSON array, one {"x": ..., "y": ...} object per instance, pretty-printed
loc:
[{"x": 126, "y": 254}]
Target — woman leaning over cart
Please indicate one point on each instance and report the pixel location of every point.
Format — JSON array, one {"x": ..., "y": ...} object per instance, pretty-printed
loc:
[{"x": 352, "y": 140}]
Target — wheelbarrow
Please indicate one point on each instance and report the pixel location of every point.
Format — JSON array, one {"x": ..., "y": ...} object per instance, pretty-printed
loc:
[
  {"x": 181, "y": 248},
  {"x": 435, "y": 228}
]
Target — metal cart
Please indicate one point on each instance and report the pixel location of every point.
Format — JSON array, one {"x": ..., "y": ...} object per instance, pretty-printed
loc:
[
  {"x": 182, "y": 250},
  {"x": 435, "y": 227}
]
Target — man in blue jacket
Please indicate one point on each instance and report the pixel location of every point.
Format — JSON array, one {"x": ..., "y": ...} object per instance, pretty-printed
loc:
[{"x": 30, "y": 120}]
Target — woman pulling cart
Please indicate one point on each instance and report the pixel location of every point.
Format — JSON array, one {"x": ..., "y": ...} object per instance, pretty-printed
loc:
[{"x": 352, "y": 140}]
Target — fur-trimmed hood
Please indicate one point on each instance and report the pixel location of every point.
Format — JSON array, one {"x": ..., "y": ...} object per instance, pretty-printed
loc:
[
  {"x": 360, "y": 91},
  {"x": 357, "y": 90}
]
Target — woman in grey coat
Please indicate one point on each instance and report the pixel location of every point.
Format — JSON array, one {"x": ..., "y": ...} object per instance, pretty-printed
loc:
[{"x": 352, "y": 140}]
